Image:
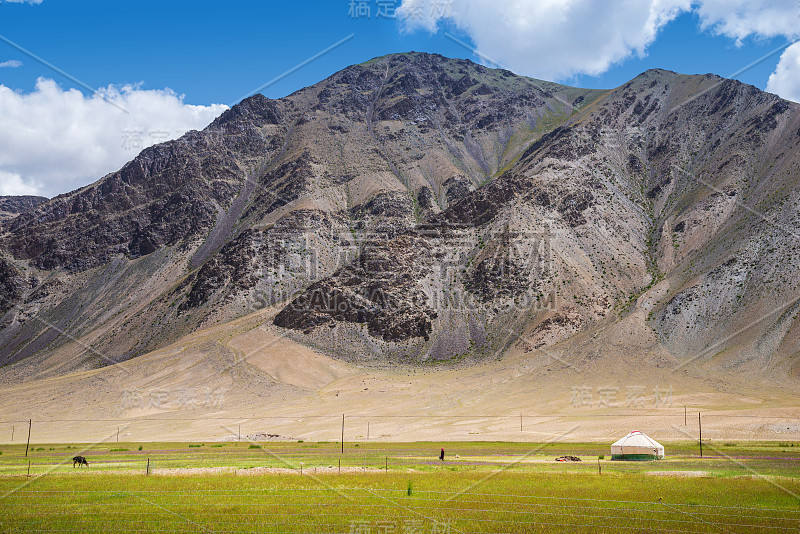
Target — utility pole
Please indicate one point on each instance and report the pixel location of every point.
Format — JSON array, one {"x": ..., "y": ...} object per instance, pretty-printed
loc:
[
  {"x": 30, "y": 424},
  {"x": 520, "y": 422},
  {"x": 700, "y": 424},
  {"x": 684, "y": 415},
  {"x": 342, "y": 433}
]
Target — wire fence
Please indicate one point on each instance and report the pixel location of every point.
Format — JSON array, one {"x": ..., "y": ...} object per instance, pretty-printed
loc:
[
  {"x": 670, "y": 425},
  {"x": 336, "y": 505}
]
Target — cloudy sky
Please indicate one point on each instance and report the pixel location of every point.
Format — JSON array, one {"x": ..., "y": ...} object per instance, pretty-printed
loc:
[{"x": 86, "y": 84}]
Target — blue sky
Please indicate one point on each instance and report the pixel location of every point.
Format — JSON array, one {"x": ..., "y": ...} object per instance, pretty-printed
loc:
[
  {"x": 215, "y": 53},
  {"x": 209, "y": 54}
]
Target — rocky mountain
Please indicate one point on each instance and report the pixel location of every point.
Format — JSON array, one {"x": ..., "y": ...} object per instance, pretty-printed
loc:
[
  {"x": 416, "y": 208},
  {"x": 11, "y": 206}
]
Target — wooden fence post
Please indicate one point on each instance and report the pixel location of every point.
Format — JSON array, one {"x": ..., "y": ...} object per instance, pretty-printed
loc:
[
  {"x": 30, "y": 424},
  {"x": 700, "y": 424}
]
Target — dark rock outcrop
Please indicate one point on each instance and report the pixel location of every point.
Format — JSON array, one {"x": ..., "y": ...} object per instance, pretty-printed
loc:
[
  {"x": 11, "y": 206},
  {"x": 379, "y": 290}
]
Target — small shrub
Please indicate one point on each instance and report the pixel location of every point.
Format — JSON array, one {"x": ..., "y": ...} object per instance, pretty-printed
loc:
[
  {"x": 217, "y": 445},
  {"x": 118, "y": 450},
  {"x": 299, "y": 441},
  {"x": 140, "y": 447},
  {"x": 254, "y": 446},
  {"x": 409, "y": 489},
  {"x": 602, "y": 457},
  {"x": 195, "y": 446}
]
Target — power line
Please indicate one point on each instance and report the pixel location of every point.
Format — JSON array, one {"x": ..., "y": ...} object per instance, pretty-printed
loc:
[{"x": 400, "y": 416}]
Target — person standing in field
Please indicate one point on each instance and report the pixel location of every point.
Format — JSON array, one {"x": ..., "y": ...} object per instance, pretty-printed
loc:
[{"x": 441, "y": 455}]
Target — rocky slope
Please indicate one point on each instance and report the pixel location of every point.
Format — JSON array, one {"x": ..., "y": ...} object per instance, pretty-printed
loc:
[
  {"x": 418, "y": 208},
  {"x": 11, "y": 206}
]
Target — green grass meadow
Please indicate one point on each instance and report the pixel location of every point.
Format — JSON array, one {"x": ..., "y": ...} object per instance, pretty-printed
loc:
[{"x": 397, "y": 488}]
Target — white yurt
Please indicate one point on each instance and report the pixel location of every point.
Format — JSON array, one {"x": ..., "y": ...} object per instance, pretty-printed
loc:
[{"x": 637, "y": 446}]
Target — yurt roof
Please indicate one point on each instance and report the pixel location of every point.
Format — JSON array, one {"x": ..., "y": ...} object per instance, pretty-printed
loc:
[{"x": 637, "y": 438}]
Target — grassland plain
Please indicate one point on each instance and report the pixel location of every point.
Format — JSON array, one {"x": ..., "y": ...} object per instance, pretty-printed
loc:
[{"x": 398, "y": 488}]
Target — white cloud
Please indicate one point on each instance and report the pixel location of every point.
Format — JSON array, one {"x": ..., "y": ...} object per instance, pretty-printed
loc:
[
  {"x": 54, "y": 140},
  {"x": 551, "y": 39},
  {"x": 556, "y": 39},
  {"x": 10, "y": 64},
  {"x": 785, "y": 81},
  {"x": 31, "y": 2},
  {"x": 13, "y": 184},
  {"x": 739, "y": 19}
]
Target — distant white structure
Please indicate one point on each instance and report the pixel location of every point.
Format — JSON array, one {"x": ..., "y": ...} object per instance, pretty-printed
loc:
[{"x": 637, "y": 446}]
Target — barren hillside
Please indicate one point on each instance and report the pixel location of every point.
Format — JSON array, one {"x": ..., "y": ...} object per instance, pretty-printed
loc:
[{"x": 421, "y": 211}]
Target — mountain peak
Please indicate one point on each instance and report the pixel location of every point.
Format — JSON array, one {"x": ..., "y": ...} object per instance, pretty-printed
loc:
[
  {"x": 256, "y": 109},
  {"x": 406, "y": 208}
]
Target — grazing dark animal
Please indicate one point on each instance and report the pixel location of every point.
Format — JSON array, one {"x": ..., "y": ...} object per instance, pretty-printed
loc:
[
  {"x": 79, "y": 460},
  {"x": 441, "y": 455}
]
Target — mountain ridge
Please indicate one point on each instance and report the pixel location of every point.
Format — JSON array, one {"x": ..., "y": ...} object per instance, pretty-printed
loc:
[{"x": 548, "y": 212}]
